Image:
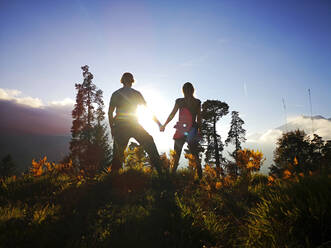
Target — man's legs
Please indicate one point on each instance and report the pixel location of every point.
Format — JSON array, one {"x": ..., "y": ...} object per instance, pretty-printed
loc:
[
  {"x": 178, "y": 146},
  {"x": 147, "y": 141},
  {"x": 121, "y": 139}
]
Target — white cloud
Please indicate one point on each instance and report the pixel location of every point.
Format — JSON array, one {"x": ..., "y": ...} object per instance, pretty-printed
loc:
[
  {"x": 270, "y": 136},
  {"x": 29, "y": 101},
  {"x": 321, "y": 126},
  {"x": 63, "y": 103},
  {"x": 15, "y": 95},
  {"x": 7, "y": 94},
  {"x": 20, "y": 113}
]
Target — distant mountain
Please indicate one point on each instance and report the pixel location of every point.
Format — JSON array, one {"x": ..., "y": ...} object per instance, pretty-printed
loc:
[
  {"x": 316, "y": 117},
  {"x": 25, "y": 147},
  {"x": 305, "y": 123},
  {"x": 19, "y": 118},
  {"x": 27, "y": 133}
]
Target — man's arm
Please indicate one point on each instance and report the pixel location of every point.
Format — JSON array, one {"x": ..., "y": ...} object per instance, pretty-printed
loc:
[
  {"x": 110, "y": 116},
  {"x": 111, "y": 109},
  {"x": 157, "y": 121},
  {"x": 171, "y": 116}
]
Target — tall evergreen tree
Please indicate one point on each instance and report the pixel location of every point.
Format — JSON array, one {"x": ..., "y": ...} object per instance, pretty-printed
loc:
[
  {"x": 89, "y": 145},
  {"x": 77, "y": 143},
  {"x": 236, "y": 136},
  {"x": 101, "y": 138},
  {"x": 212, "y": 111},
  {"x": 90, "y": 91}
]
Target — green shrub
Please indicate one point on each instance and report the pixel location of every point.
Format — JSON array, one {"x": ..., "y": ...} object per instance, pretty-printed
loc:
[{"x": 293, "y": 214}]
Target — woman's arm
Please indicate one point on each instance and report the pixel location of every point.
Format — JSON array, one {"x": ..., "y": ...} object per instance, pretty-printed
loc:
[{"x": 171, "y": 116}]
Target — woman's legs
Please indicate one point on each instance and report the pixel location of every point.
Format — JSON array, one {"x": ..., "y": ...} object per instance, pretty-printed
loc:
[
  {"x": 194, "y": 150},
  {"x": 178, "y": 146}
]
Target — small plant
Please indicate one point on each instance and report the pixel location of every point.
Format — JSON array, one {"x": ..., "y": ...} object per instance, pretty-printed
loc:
[
  {"x": 249, "y": 161},
  {"x": 43, "y": 167},
  {"x": 293, "y": 214}
]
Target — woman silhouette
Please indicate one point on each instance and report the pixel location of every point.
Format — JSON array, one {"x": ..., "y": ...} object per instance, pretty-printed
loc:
[{"x": 188, "y": 125}]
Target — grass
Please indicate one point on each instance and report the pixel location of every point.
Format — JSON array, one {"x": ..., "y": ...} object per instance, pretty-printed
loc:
[{"x": 136, "y": 208}]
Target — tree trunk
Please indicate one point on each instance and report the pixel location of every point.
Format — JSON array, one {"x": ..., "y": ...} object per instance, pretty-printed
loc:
[
  {"x": 217, "y": 155},
  {"x": 236, "y": 157},
  {"x": 89, "y": 109}
]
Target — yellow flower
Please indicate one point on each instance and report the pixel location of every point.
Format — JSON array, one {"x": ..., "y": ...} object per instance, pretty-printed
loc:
[
  {"x": 287, "y": 174},
  {"x": 271, "y": 179},
  {"x": 295, "y": 161},
  {"x": 218, "y": 185}
]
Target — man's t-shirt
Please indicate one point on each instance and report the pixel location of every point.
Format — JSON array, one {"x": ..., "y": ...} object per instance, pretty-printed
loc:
[
  {"x": 193, "y": 106},
  {"x": 126, "y": 101}
]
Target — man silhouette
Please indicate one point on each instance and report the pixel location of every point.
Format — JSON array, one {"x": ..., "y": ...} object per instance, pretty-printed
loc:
[{"x": 125, "y": 124}]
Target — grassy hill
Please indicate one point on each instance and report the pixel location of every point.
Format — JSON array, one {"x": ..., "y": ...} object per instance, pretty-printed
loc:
[{"x": 136, "y": 208}]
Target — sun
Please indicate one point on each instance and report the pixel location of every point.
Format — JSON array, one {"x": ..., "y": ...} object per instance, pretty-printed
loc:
[
  {"x": 155, "y": 107},
  {"x": 160, "y": 106},
  {"x": 145, "y": 117}
]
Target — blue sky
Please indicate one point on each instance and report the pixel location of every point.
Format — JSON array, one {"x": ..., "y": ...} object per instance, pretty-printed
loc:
[{"x": 250, "y": 54}]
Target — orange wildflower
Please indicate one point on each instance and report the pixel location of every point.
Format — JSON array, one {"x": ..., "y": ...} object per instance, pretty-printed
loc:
[
  {"x": 287, "y": 174},
  {"x": 295, "y": 161},
  {"x": 218, "y": 185}
]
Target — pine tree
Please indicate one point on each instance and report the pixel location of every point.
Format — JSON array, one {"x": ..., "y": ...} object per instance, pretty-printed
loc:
[
  {"x": 101, "y": 139},
  {"x": 212, "y": 111},
  {"x": 90, "y": 90},
  {"x": 236, "y": 136},
  {"x": 89, "y": 145},
  {"x": 77, "y": 143}
]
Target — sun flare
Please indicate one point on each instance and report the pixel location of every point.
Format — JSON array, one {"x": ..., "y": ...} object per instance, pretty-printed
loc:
[
  {"x": 145, "y": 117},
  {"x": 145, "y": 114},
  {"x": 159, "y": 107}
]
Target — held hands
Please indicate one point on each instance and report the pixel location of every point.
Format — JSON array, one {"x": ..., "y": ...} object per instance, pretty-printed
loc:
[{"x": 162, "y": 128}]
